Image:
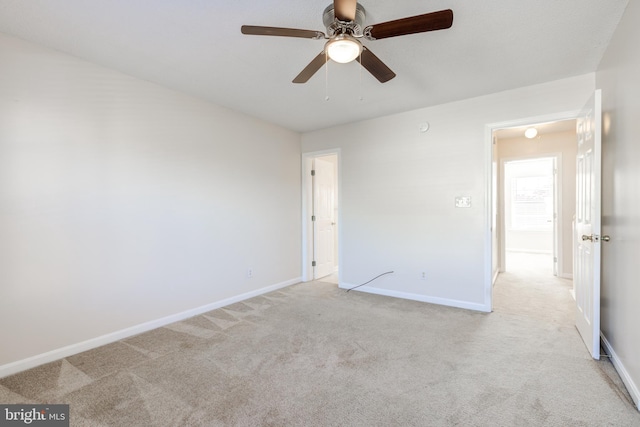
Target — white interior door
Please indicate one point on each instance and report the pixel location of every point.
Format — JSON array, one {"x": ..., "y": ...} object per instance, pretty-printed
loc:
[
  {"x": 587, "y": 224},
  {"x": 324, "y": 194}
]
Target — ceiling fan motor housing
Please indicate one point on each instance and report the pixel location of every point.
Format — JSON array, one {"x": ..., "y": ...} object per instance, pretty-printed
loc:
[{"x": 334, "y": 26}]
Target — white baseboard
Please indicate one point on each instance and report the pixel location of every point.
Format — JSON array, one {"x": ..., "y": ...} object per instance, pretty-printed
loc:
[
  {"x": 632, "y": 388},
  {"x": 60, "y": 353},
  {"x": 417, "y": 297}
]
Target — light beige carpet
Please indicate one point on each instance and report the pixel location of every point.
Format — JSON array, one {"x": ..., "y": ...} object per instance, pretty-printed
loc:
[{"x": 314, "y": 355}]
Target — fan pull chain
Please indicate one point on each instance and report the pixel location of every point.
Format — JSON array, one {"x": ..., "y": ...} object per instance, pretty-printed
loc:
[
  {"x": 326, "y": 76},
  {"x": 361, "y": 98}
]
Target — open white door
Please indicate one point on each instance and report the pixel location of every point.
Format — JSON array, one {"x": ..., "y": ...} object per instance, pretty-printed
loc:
[
  {"x": 324, "y": 215},
  {"x": 587, "y": 224}
]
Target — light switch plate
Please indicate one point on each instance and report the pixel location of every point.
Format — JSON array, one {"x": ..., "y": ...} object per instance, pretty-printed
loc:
[{"x": 463, "y": 202}]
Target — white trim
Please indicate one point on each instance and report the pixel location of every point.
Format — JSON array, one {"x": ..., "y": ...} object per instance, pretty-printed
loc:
[
  {"x": 488, "y": 142},
  {"x": 632, "y": 388},
  {"x": 60, "y": 353},
  {"x": 558, "y": 223},
  {"x": 533, "y": 121},
  {"x": 417, "y": 297},
  {"x": 307, "y": 231},
  {"x": 488, "y": 233},
  {"x": 307, "y": 226}
]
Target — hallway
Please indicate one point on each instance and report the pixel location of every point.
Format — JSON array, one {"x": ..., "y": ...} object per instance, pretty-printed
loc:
[
  {"x": 529, "y": 288},
  {"x": 530, "y": 291}
]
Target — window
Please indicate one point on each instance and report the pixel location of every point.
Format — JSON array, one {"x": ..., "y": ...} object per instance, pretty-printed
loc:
[{"x": 532, "y": 203}]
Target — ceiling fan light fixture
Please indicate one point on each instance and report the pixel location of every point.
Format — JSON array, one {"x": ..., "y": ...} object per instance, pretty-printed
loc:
[
  {"x": 343, "y": 48},
  {"x": 345, "y": 24}
]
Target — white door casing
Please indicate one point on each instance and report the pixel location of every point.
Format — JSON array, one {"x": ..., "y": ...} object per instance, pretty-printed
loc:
[
  {"x": 557, "y": 203},
  {"x": 324, "y": 198},
  {"x": 587, "y": 224}
]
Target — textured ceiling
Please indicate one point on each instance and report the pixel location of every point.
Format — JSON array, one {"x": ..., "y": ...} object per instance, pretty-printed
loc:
[{"x": 195, "y": 46}]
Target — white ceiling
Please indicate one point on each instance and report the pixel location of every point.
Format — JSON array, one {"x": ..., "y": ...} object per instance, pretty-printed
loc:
[{"x": 195, "y": 46}]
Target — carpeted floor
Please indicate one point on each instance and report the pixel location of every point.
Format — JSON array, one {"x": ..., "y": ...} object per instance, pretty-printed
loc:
[{"x": 314, "y": 355}]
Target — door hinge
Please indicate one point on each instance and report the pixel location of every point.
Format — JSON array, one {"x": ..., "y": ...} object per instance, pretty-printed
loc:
[
  {"x": 313, "y": 263},
  {"x": 555, "y": 259},
  {"x": 313, "y": 172},
  {"x": 313, "y": 218}
]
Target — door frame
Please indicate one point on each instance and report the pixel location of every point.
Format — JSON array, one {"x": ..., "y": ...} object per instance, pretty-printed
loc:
[
  {"x": 307, "y": 209},
  {"x": 490, "y": 233}
]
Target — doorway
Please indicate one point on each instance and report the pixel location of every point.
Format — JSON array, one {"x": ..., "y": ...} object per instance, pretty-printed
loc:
[
  {"x": 530, "y": 208},
  {"x": 586, "y": 150},
  {"x": 321, "y": 213},
  {"x": 506, "y": 141},
  {"x": 535, "y": 192}
]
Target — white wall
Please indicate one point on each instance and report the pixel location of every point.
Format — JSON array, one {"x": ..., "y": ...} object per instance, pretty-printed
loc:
[
  {"x": 618, "y": 77},
  {"x": 399, "y": 187},
  {"x": 559, "y": 142},
  {"x": 122, "y": 203}
]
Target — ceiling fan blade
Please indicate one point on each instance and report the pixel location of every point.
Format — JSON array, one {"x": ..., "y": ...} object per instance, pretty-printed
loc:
[
  {"x": 345, "y": 10},
  {"x": 284, "y": 32},
  {"x": 375, "y": 66},
  {"x": 312, "y": 68},
  {"x": 415, "y": 24}
]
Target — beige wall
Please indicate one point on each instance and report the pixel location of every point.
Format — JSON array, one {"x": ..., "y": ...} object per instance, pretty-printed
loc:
[{"x": 542, "y": 146}]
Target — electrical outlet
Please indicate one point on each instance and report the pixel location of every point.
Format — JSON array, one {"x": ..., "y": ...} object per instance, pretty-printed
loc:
[
  {"x": 250, "y": 273},
  {"x": 423, "y": 275}
]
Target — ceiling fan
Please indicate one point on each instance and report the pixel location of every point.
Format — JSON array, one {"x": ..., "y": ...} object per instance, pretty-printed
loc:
[{"x": 344, "y": 20}]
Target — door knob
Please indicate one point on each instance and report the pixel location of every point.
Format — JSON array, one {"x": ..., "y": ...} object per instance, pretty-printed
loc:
[{"x": 595, "y": 238}]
